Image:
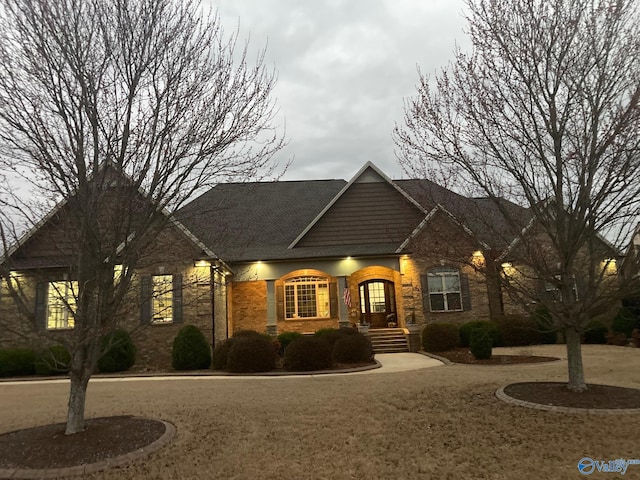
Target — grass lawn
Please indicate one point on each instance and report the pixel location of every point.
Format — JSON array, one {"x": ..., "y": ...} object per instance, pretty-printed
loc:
[{"x": 436, "y": 423}]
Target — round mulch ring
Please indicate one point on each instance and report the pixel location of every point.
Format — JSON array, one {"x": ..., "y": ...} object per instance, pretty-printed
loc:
[
  {"x": 555, "y": 396},
  {"x": 106, "y": 442},
  {"x": 464, "y": 355}
]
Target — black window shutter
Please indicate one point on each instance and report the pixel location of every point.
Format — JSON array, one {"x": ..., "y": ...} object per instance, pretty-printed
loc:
[
  {"x": 280, "y": 302},
  {"x": 177, "y": 298},
  {"x": 465, "y": 292},
  {"x": 145, "y": 300},
  {"x": 333, "y": 299},
  {"x": 41, "y": 305},
  {"x": 426, "y": 308}
]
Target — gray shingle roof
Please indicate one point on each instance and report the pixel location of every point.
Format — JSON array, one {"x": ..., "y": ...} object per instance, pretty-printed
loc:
[{"x": 258, "y": 221}]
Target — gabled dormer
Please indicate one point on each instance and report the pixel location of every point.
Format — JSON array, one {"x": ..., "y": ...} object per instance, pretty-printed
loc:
[{"x": 370, "y": 209}]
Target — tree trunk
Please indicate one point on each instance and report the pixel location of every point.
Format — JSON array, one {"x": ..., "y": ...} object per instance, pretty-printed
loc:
[
  {"x": 82, "y": 365},
  {"x": 574, "y": 360}
]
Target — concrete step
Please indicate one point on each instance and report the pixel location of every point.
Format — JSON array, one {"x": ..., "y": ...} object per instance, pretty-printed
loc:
[{"x": 388, "y": 340}]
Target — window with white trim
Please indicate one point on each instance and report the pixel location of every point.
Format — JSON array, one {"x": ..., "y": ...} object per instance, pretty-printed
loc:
[
  {"x": 553, "y": 292},
  {"x": 61, "y": 303},
  {"x": 307, "y": 297},
  {"x": 444, "y": 291},
  {"x": 162, "y": 304}
]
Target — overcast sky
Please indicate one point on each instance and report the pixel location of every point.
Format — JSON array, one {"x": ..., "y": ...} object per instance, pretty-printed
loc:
[{"x": 344, "y": 68}]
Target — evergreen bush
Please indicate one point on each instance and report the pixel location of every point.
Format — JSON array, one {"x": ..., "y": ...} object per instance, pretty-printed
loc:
[
  {"x": 119, "y": 352},
  {"x": 308, "y": 353},
  {"x": 54, "y": 360},
  {"x": 252, "y": 353},
  {"x": 518, "y": 330},
  {"x": 480, "y": 343},
  {"x": 17, "y": 362},
  {"x": 221, "y": 354},
  {"x": 619, "y": 339},
  {"x": 248, "y": 333},
  {"x": 547, "y": 331},
  {"x": 438, "y": 337},
  {"x": 191, "y": 350},
  {"x": 491, "y": 327},
  {"x": 353, "y": 349},
  {"x": 285, "y": 338},
  {"x": 332, "y": 335},
  {"x": 595, "y": 333},
  {"x": 624, "y": 322}
]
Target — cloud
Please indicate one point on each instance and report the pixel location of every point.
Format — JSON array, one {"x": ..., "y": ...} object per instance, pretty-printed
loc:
[{"x": 344, "y": 67}]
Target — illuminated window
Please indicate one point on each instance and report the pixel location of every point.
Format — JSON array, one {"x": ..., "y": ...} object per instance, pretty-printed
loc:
[
  {"x": 162, "y": 304},
  {"x": 444, "y": 291},
  {"x": 61, "y": 303},
  {"x": 307, "y": 297}
]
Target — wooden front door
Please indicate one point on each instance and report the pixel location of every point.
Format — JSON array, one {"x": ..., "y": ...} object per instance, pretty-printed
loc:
[{"x": 377, "y": 302}]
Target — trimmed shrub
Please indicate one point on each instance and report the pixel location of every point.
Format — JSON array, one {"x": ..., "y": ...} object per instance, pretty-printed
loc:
[
  {"x": 248, "y": 333},
  {"x": 307, "y": 353},
  {"x": 438, "y": 337},
  {"x": 252, "y": 353},
  {"x": 120, "y": 352},
  {"x": 619, "y": 339},
  {"x": 547, "y": 331},
  {"x": 16, "y": 362},
  {"x": 285, "y": 338},
  {"x": 353, "y": 349},
  {"x": 624, "y": 322},
  {"x": 595, "y": 333},
  {"x": 332, "y": 335},
  {"x": 191, "y": 350},
  {"x": 54, "y": 360},
  {"x": 481, "y": 343},
  {"x": 221, "y": 354},
  {"x": 491, "y": 327},
  {"x": 517, "y": 331}
]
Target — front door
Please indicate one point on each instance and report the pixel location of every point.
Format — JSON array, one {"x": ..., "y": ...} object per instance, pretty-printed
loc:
[{"x": 377, "y": 303}]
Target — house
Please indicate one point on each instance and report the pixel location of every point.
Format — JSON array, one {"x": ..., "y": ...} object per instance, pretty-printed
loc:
[
  {"x": 288, "y": 256},
  {"x": 315, "y": 254}
]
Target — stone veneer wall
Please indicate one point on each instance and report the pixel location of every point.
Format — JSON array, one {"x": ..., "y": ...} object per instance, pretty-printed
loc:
[
  {"x": 154, "y": 342},
  {"x": 412, "y": 270}
]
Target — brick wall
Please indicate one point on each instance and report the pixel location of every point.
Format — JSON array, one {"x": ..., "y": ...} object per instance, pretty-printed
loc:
[{"x": 248, "y": 306}]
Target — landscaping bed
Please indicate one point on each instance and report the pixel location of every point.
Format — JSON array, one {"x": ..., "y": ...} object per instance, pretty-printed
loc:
[{"x": 464, "y": 355}]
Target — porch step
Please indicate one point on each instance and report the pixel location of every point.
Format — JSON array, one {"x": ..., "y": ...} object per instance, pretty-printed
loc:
[{"x": 388, "y": 340}]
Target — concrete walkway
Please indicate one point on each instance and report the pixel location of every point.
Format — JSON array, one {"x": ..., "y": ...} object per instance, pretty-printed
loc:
[{"x": 391, "y": 363}]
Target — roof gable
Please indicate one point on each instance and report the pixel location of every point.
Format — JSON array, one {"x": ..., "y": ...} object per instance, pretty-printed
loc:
[
  {"x": 370, "y": 209},
  {"x": 54, "y": 240}
]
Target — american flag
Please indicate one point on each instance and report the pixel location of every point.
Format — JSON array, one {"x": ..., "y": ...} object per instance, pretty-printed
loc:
[{"x": 346, "y": 297}]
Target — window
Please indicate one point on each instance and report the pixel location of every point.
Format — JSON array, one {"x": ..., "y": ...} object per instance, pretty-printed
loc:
[
  {"x": 61, "y": 302},
  {"x": 552, "y": 290},
  {"x": 162, "y": 303},
  {"x": 307, "y": 297},
  {"x": 161, "y": 299},
  {"x": 444, "y": 291}
]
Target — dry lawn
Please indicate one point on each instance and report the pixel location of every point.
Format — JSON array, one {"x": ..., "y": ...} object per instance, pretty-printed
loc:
[{"x": 437, "y": 423}]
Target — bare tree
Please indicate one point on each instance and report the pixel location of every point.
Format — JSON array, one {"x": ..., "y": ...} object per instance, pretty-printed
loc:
[
  {"x": 122, "y": 110},
  {"x": 544, "y": 111}
]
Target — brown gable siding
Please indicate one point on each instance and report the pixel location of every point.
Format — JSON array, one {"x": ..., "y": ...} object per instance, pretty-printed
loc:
[{"x": 367, "y": 213}]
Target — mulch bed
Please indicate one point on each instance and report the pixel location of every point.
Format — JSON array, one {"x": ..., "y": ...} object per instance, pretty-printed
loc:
[
  {"x": 557, "y": 394},
  {"x": 464, "y": 355},
  {"x": 48, "y": 447}
]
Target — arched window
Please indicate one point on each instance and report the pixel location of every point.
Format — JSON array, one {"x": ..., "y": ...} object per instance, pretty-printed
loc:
[
  {"x": 445, "y": 293},
  {"x": 307, "y": 297}
]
